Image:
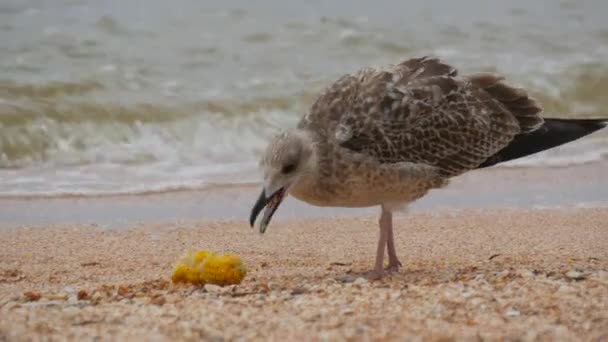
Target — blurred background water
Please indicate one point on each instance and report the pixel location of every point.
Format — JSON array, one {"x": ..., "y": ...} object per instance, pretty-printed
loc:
[{"x": 135, "y": 96}]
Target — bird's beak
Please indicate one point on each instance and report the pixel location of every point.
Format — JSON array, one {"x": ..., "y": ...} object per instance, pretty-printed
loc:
[{"x": 271, "y": 203}]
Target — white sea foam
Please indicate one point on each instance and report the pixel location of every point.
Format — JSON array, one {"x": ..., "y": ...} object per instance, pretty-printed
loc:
[{"x": 125, "y": 104}]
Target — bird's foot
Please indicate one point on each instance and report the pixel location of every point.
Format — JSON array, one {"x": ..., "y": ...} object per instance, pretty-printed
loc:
[
  {"x": 374, "y": 274},
  {"x": 393, "y": 266}
]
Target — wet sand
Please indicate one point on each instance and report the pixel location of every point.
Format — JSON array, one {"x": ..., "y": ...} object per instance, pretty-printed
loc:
[
  {"x": 584, "y": 185},
  {"x": 468, "y": 274}
]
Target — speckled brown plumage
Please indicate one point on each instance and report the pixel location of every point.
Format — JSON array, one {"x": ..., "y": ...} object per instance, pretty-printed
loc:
[
  {"x": 389, "y": 135},
  {"x": 420, "y": 111}
]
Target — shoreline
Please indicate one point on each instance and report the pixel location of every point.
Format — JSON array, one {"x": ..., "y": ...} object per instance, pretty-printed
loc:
[
  {"x": 575, "y": 186},
  {"x": 494, "y": 274}
]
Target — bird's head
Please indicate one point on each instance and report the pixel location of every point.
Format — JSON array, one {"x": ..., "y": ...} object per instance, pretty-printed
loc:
[{"x": 286, "y": 159}]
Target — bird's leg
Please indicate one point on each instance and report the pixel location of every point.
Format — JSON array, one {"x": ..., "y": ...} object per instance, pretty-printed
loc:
[
  {"x": 393, "y": 261},
  {"x": 384, "y": 223}
]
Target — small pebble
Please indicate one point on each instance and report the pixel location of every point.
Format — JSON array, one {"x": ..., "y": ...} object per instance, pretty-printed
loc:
[
  {"x": 32, "y": 296},
  {"x": 298, "y": 291},
  {"x": 123, "y": 291},
  {"x": 512, "y": 313},
  {"x": 158, "y": 300},
  {"x": 576, "y": 275},
  {"x": 83, "y": 295}
]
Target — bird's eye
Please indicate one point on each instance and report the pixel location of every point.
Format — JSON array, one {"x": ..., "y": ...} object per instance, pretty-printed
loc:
[{"x": 288, "y": 168}]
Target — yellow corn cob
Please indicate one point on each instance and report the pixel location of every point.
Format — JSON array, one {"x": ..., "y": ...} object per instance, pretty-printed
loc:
[
  {"x": 203, "y": 267},
  {"x": 222, "y": 270}
]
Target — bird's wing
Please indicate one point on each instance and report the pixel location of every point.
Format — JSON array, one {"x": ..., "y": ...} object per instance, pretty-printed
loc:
[{"x": 420, "y": 111}]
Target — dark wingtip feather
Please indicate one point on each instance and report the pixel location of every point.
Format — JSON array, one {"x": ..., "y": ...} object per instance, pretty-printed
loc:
[{"x": 552, "y": 133}]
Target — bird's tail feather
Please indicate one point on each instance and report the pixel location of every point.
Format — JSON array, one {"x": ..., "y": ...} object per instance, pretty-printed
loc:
[{"x": 552, "y": 133}]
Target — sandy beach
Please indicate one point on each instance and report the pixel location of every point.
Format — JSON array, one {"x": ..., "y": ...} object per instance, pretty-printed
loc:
[
  {"x": 468, "y": 275},
  {"x": 130, "y": 134}
]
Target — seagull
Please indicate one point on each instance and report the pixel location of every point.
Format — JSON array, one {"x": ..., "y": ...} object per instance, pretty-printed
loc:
[{"x": 386, "y": 136}]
